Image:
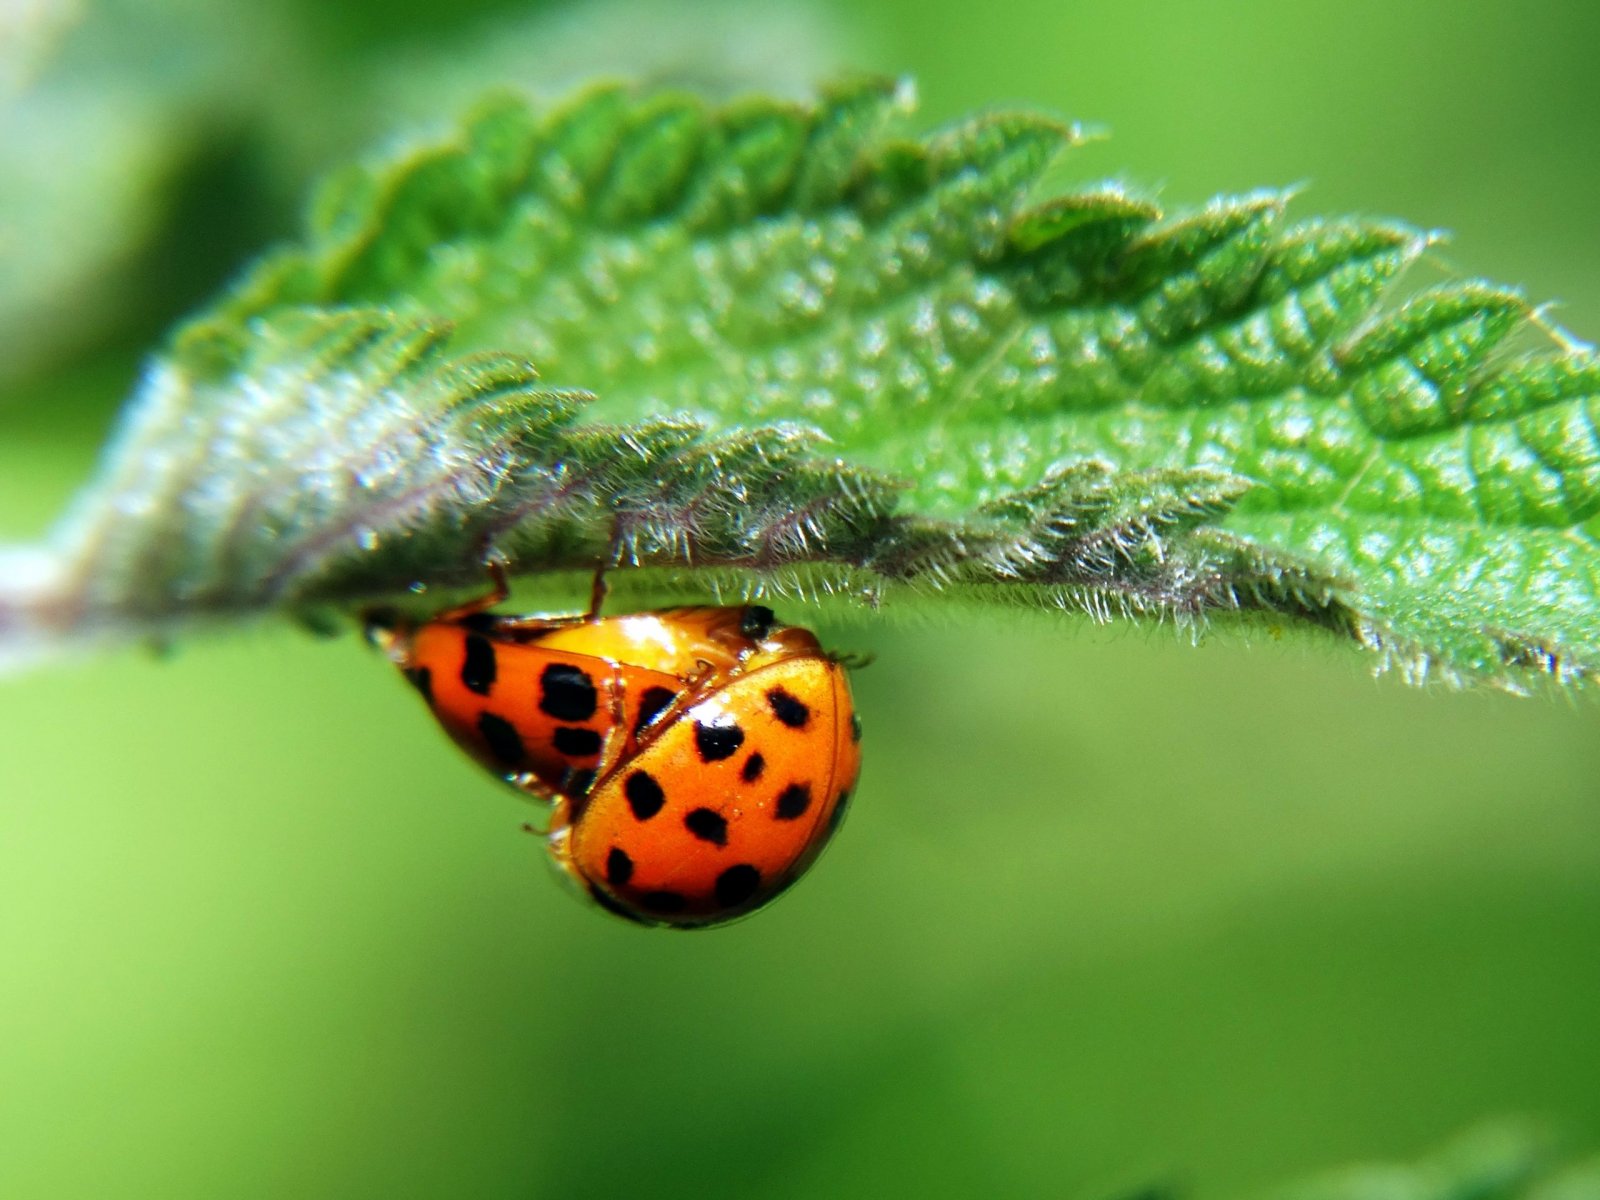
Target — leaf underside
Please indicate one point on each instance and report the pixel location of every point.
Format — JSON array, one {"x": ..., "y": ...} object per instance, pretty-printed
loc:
[{"x": 790, "y": 348}]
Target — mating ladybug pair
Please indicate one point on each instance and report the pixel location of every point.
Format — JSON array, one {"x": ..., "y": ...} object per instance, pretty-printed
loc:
[{"x": 696, "y": 760}]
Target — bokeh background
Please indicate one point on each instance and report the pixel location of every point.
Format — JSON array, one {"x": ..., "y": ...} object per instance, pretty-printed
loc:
[{"x": 1113, "y": 910}]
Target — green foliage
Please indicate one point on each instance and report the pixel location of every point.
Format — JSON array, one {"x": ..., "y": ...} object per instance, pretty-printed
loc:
[
  {"x": 1499, "y": 1161},
  {"x": 828, "y": 357}
]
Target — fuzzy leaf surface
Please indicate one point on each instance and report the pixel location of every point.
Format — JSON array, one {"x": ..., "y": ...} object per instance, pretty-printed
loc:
[{"x": 826, "y": 354}]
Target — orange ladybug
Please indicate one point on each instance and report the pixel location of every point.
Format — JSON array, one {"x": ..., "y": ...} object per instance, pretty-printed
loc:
[{"x": 697, "y": 760}]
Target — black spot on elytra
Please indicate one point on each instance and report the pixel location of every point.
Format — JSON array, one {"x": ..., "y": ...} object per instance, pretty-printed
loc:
[
  {"x": 566, "y": 692},
  {"x": 477, "y": 666},
  {"x": 708, "y": 825},
  {"x": 753, "y": 766},
  {"x": 717, "y": 741},
  {"x": 737, "y": 884},
  {"x": 793, "y": 802},
  {"x": 575, "y": 742},
  {"x": 756, "y": 622},
  {"x": 855, "y": 728},
  {"x": 481, "y": 622},
  {"x": 502, "y": 738},
  {"x": 576, "y": 781},
  {"x": 788, "y": 708},
  {"x": 664, "y": 902},
  {"x": 422, "y": 679},
  {"x": 652, "y": 703},
  {"x": 836, "y": 818},
  {"x": 644, "y": 794},
  {"x": 619, "y": 868}
]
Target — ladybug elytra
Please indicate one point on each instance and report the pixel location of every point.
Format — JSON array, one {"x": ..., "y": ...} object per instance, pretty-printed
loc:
[{"x": 696, "y": 760}]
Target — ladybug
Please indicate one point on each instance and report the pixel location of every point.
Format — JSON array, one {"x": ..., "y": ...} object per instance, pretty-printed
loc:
[{"x": 696, "y": 760}]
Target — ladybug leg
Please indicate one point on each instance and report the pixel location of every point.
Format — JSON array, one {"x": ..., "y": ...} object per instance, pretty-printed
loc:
[
  {"x": 540, "y": 824},
  {"x": 551, "y": 818},
  {"x": 617, "y": 732},
  {"x": 546, "y": 799},
  {"x": 613, "y": 558},
  {"x": 693, "y": 691},
  {"x": 597, "y": 593},
  {"x": 531, "y": 786},
  {"x": 499, "y": 589},
  {"x": 511, "y": 621}
]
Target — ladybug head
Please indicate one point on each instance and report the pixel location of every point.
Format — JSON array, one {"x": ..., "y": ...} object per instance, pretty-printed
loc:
[{"x": 756, "y": 622}]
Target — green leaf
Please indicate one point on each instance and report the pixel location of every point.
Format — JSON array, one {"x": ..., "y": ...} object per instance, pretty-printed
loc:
[
  {"x": 826, "y": 356},
  {"x": 1498, "y": 1160}
]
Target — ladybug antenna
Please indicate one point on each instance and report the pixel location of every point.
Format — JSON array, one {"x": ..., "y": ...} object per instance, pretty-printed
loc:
[{"x": 854, "y": 660}]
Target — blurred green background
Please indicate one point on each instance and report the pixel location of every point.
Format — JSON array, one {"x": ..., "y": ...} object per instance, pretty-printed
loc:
[{"x": 1110, "y": 910}]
